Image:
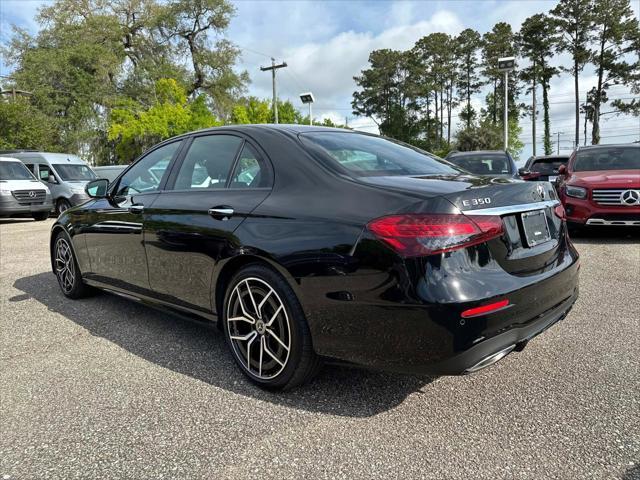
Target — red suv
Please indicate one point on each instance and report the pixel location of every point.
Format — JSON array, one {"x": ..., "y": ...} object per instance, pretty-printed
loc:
[{"x": 600, "y": 185}]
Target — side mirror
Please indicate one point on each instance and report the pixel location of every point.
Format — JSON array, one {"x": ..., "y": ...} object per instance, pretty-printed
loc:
[
  {"x": 522, "y": 172},
  {"x": 562, "y": 170},
  {"x": 52, "y": 179},
  {"x": 97, "y": 188}
]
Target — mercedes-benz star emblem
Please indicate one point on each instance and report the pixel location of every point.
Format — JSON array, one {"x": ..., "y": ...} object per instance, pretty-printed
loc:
[
  {"x": 32, "y": 194},
  {"x": 630, "y": 197}
]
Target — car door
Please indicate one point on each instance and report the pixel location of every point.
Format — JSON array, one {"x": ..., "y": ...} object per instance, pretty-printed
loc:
[
  {"x": 114, "y": 235},
  {"x": 217, "y": 184}
]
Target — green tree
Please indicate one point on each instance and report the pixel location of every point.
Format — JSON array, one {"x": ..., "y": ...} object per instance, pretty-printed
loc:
[
  {"x": 136, "y": 127},
  {"x": 486, "y": 136},
  {"x": 386, "y": 96},
  {"x": 24, "y": 126},
  {"x": 537, "y": 40},
  {"x": 617, "y": 38},
  {"x": 574, "y": 22},
  {"x": 469, "y": 82}
]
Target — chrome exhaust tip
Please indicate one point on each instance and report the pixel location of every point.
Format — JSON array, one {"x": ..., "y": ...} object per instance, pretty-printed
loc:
[{"x": 490, "y": 360}]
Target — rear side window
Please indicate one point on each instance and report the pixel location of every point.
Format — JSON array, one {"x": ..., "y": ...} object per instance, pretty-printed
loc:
[
  {"x": 208, "y": 162},
  {"x": 364, "y": 155},
  {"x": 251, "y": 170},
  {"x": 483, "y": 164}
]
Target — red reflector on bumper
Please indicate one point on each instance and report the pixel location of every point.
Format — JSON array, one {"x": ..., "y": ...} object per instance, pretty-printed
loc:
[{"x": 492, "y": 307}]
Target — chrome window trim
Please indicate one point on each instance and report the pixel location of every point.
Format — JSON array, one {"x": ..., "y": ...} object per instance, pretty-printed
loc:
[{"x": 523, "y": 207}]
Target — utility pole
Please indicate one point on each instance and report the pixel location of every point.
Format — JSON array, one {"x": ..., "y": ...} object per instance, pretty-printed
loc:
[
  {"x": 273, "y": 69},
  {"x": 558, "y": 147}
]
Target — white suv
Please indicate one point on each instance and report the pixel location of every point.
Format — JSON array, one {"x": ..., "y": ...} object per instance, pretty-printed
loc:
[{"x": 21, "y": 194}]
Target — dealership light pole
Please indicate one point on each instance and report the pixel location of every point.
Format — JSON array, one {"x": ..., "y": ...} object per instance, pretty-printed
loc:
[
  {"x": 506, "y": 64},
  {"x": 307, "y": 98}
]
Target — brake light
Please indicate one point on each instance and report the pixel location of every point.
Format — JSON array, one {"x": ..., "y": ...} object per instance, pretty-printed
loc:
[
  {"x": 484, "y": 309},
  {"x": 427, "y": 234}
]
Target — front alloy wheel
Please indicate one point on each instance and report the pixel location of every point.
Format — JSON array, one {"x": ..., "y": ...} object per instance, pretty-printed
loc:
[
  {"x": 65, "y": 265},
  {"x": 266, "y": 330}
]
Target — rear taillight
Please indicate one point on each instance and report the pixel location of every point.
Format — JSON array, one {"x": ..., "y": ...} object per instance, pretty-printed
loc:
[{"x": 417, "y": 234}]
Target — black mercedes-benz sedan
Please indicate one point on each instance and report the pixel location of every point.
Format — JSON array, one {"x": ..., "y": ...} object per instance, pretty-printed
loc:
[{"x": 308, "y": 244}]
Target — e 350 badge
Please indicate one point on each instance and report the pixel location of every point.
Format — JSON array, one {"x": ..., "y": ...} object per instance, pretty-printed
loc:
[{"x": 474, "y": 202}]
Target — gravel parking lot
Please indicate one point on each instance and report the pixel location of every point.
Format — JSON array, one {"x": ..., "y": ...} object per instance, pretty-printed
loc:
[{"x": 107, "y": 388}]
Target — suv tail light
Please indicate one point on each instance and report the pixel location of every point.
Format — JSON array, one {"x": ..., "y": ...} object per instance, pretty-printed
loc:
[{"x": 420, "y": 234}]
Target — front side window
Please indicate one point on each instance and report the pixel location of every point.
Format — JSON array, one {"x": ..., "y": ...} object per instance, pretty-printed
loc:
[
  {"x": 208, "y": 162},
  {"x": 44, "y": 172},
  {"x": 364, "y": 155},
  {"x": 614, "y": 158},
  {"x": 483, "y": 164},
  {"x": 146, "y": 175},
  {"x": 14, "y": 171},
  {"x": 73, "y": 172}
]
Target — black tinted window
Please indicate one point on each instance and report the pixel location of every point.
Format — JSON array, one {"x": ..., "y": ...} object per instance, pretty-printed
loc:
[
  {"x": 208, "y": 162},
  {"x": 614, "y": 158},
  {"x": 146, "y": 174},
  {"x": 250, "y": 171},
  {"x": 365, "y": 155},
  {"x": 547, "y": 165},
  {"x": 483, "y": 163}
]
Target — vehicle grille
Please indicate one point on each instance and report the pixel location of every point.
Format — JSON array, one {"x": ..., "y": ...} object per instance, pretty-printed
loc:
[
  {"x": 608, "y": 196},
  {"x": 29, "y": 196}
]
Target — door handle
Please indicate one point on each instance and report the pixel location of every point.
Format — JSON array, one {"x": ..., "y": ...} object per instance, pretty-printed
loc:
[
  {"x": 221, "y": 213},
  {"x": 136, "y": 208}
]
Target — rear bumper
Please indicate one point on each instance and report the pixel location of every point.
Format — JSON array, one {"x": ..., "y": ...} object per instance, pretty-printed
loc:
[{"x": 586, "y": 212}]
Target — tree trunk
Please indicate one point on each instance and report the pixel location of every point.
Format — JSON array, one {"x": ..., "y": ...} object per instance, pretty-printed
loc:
[
  {"x": 548, "y": 148},
  {"x": 441, "y": 112},
  {"x": 533, "y": 113},
  {"x": 597, "y": 101},
  {"x": 449, "y": 108}
]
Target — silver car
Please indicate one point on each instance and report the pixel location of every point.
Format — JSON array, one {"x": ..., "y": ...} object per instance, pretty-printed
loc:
[{"x": 21, "y": 195}]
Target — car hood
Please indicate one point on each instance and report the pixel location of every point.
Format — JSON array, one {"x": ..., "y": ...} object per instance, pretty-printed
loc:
[
  {"x": 607, "y": 178},
  {"x": 22, "y": 184}
]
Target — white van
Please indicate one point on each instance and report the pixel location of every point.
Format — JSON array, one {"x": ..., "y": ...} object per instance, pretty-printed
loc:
[
  {"x": 21, "y": 195},
  {"x": 64, "y": 174}
]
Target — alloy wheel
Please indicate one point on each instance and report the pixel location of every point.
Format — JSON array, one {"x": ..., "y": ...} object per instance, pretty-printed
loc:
[
  {"x": 65, "y": 265},
  {"x": 259, "y": 328}
]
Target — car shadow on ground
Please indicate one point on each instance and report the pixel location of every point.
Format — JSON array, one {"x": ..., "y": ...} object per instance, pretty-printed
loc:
[
  {"x": 199, "y": 350},
  {"x": 610, "y": 235}
]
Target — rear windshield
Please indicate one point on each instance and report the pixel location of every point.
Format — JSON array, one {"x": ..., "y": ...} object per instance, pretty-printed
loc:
[
  {"x": 74, "y": 171},
  {"x": 483, "y": 163},
  {"x": 614, "y": 158},
  {"x": 367, "y": 156},
  {"x": 548, "y": 165},
  {"x": 14, "y": 171}
]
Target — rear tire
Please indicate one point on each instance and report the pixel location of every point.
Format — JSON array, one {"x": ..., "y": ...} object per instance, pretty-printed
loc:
[
  {"x": 266, "y": 330},
  {"x": 40, "y": 216},
  {"x": 65, "y": 267}
]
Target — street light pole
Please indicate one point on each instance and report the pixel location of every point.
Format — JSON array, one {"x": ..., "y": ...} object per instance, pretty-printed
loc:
[
  {"x": 310, "y": 114},
  {"x": 506, "y": 110},
  {"x": 506, "y": 64},
  {"x": 308, "y": 98}
]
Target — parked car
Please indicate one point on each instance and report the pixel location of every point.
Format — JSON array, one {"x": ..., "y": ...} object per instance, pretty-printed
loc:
[
  {"x": 64, "y": 174},
  {"x": 21, "y": 194},
  {"x": 308, "y": 243},
  {"x": 543, "y": 168},
  {"x": 600, "y": 185},
  {"x": 110, "y": 172},
  {"x": 496, "y": 163}
]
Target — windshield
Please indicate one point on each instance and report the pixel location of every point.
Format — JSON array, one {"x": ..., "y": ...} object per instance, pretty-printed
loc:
[
  {"x": 483, "y": 163},
  {"x": 14, "y": 171},
  {"x": 614, "y": 158},
  {"x": 74, "y": 171},
  {"x": 548, "y": 165},
  {"x": 365, "y": 155}
]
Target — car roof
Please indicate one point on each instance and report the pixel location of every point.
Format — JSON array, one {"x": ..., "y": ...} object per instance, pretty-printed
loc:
[
  {"x": 50, "y": 156},
  {"x": 9, "y": 159},
  {"x": 609, "y": 145},
  {"x": 550, "y": 157}
]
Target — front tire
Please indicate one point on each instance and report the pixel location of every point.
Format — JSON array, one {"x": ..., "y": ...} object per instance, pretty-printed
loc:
[
  {"x": 65, "y": 266},
  {"x": 266, "y": 330},
  {"x": 62, "y": 205}
]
